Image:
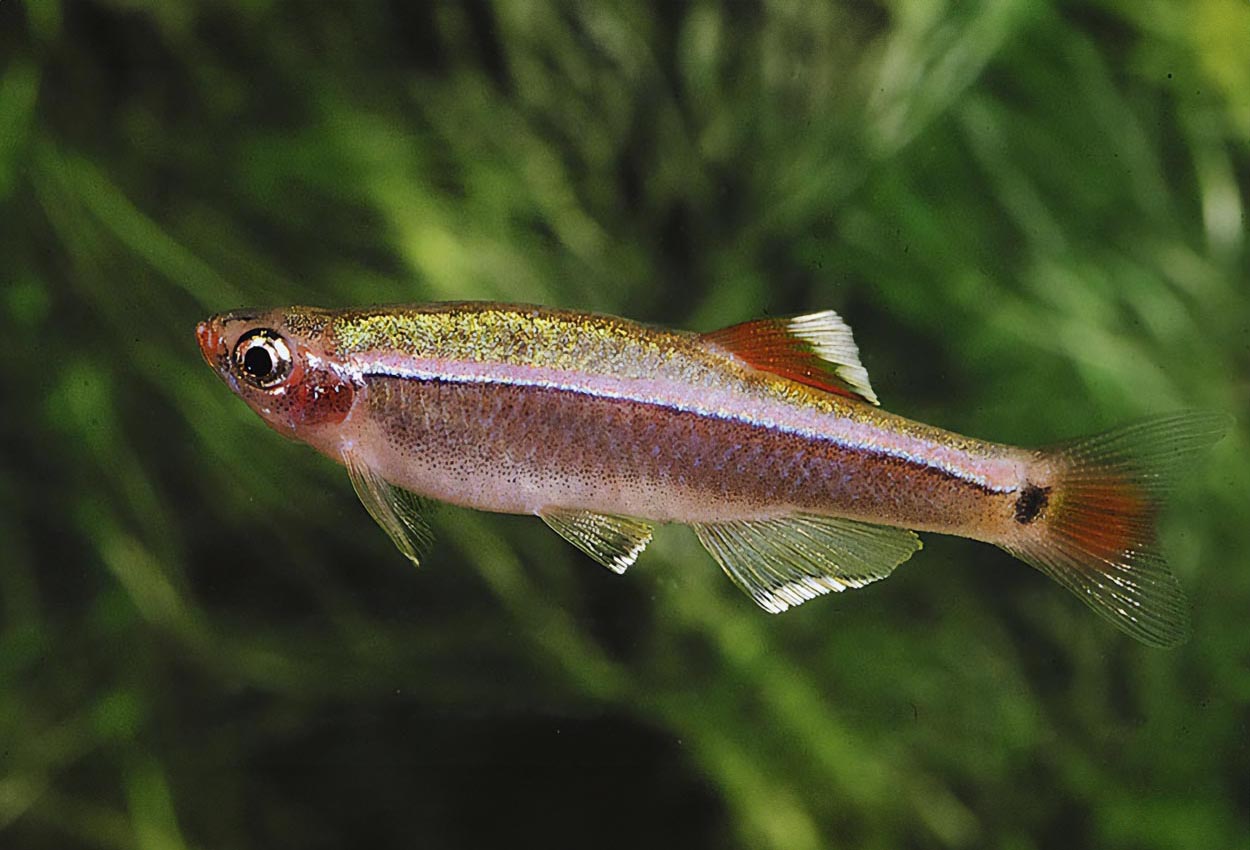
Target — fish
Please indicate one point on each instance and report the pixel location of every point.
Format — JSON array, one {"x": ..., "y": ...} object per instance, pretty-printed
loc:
[{"x": 765, "y": 437}]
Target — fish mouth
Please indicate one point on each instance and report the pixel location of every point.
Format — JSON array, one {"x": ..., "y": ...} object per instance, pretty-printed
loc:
[{"x": 212, "y": 346}]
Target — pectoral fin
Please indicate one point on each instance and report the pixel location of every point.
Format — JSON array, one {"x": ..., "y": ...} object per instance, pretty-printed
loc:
[
  {"x": 785, "y": 561},
  {"x": 398, "y": 511},
  {"x": 614, "y": 541}
]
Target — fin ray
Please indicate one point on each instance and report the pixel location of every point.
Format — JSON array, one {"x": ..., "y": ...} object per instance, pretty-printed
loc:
[
  {"x": 816, "y": 349},
  {"x": 784, "y": 561},
  {"x": 612, "y": 540},
  {"x": 396, "y": 510},
  {"x": 1097, "y": 534}
]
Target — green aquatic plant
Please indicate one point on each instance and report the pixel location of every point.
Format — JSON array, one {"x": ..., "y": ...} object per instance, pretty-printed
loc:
[{"x": 1033, "y": 214}]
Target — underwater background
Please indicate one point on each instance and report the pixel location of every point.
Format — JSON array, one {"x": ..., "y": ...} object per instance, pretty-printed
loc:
[{"x": 1032, "y": 214}]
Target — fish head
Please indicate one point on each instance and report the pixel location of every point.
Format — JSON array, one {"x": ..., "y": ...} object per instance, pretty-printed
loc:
[{"x": 280, "y": 363}]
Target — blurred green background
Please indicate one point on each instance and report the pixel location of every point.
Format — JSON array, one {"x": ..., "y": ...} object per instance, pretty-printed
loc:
[{"x": 1033, "y": 215}]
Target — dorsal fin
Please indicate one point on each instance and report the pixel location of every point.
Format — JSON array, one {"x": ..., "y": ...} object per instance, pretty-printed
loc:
[{"x": 816, "y": 350}]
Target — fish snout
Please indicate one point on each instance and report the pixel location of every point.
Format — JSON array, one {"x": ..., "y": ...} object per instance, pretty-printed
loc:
[{"x": 212, "y": 346}]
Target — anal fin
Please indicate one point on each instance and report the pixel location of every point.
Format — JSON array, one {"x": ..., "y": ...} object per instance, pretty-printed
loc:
[
  {"x": 397, "y": 510},
  {"x": 614, "y": 541},
  {"x": 785, "y": 561}
]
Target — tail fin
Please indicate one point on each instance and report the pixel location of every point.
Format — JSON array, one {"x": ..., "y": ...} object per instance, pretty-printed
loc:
[{"x": 1096, "y": 531}]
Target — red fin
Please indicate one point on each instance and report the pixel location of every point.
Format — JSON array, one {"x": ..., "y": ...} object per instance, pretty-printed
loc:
[
  {"x": 816, "y": 350},
  {"x": 1094, "y": 531}
]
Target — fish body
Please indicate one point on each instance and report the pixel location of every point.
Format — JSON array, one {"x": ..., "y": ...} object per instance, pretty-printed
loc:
[{"x": 764, "y": 437}]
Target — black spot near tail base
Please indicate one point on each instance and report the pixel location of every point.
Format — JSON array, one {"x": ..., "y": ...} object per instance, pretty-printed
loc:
[{"x": 1031, "y": 503}]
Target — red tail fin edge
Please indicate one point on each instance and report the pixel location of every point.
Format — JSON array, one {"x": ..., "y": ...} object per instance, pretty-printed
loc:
[{"x": 1096, "y": 525}]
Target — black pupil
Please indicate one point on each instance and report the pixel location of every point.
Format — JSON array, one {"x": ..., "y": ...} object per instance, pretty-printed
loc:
[{"x": 258, "y": 362}]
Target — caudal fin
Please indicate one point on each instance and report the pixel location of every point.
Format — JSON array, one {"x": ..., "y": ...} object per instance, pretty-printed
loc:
[{"x": 1094, "y": 529}]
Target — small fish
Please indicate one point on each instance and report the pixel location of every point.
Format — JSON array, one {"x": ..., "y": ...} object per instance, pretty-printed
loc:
[{"x": 763, "y": 437}]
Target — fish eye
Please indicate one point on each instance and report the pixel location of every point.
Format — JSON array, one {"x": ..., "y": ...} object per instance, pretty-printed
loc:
[{"x": 263, "y": 358}]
